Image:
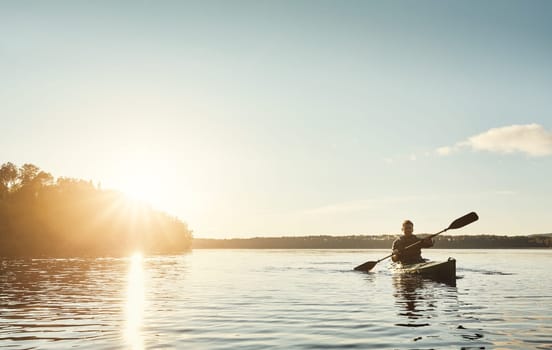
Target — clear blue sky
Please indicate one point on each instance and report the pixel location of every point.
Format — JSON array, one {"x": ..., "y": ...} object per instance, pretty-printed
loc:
[{"x": 259, "y": 118}]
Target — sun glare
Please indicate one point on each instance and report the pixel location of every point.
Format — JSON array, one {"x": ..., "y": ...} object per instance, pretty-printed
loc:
[
  {"x": 136, "y": 259},
  {"x": 143, "y": 180},
  {"x": 140, "y": 190},
  {"x": 135, "y": 300},
  {"x": 147, "y": 179}
]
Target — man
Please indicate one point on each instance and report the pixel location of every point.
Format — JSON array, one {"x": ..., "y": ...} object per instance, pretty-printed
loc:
[{"x": 414, "y": 254}]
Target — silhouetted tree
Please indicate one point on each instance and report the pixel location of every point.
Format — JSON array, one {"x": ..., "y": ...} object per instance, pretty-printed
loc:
[
  {"x": 27, "y": 173},
  {"x": 40, "y": 216},
  {"x": 8, "y": 177}
]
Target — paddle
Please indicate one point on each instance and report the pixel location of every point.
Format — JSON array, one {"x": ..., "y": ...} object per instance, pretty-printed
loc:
[{"x": 458, "y": 223}]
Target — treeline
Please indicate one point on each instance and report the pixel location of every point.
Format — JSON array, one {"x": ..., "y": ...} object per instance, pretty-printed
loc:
[
  {"x": 42, "y": 216},
  {"x": 372, "y": 242}
]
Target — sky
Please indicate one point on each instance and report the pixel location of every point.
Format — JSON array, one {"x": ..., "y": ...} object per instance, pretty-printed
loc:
[{"x": 282, "y": 118}]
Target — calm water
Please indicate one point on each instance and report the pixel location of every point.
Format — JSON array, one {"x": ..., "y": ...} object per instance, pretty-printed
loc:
[{"x": 287, "y": 299}]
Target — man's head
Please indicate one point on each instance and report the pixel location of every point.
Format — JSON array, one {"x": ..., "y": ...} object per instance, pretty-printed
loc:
[{"x": 407, "y": 227}]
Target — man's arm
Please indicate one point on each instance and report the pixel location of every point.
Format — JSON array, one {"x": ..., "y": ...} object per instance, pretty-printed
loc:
[
  {"x": 426, "y": 243},
  {"x": 396, "y": 251}
]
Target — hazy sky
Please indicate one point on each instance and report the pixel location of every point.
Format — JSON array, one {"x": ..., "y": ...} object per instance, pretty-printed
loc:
[{"x": 259, "y": 118}]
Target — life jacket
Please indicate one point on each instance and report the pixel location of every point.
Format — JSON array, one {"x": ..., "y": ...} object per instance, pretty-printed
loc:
[{"x": 412, "y": 255}]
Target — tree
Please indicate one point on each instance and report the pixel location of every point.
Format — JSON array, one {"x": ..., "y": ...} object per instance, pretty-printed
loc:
[
  {"x": 27, "y": 173},
  {"x": 42, "y": 179},
  {"x": 70, "y": 217},
  {"x": 8, "y": 177}
]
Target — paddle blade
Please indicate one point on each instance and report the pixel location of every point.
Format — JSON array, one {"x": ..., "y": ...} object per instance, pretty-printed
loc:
[
  {"x": 367, "y": 266},
  {"x": 463, "y": 221}
]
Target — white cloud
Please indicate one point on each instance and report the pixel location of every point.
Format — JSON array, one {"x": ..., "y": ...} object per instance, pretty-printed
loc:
[
  {"x": 444, "y": 151},
  {"x": 531, "y": 139}
]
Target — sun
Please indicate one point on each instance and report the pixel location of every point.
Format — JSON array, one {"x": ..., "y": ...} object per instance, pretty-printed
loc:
[
  {"x": 156, "y": 181},
  {"x": 141, "y": 190},
  {"x": 143, "y": 181}
]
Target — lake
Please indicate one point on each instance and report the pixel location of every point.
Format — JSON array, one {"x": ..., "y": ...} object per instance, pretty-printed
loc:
[{"x": 278, "y": 299}]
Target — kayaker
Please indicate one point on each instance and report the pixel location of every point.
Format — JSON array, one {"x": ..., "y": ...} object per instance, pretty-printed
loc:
[{"x": 414, "y": 254}]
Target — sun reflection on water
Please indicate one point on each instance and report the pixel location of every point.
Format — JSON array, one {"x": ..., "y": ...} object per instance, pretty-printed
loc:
[{"x": 135, "y": 300}]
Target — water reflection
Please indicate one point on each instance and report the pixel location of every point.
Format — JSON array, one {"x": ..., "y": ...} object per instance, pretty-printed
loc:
[
  {"x": 255, "y": 301},
  {"x": 416, "y": 303},
  {"x": 135, "y": 300},
  {"x": 51, "y": 300},
  {"x": 425, "y": 302}
]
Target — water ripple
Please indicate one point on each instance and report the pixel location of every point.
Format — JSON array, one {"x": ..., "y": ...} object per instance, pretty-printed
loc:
[{"x": 271, "y": 299}]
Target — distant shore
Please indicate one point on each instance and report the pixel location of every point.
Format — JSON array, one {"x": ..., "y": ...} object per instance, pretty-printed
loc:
[{"x": 373, "y": 242}]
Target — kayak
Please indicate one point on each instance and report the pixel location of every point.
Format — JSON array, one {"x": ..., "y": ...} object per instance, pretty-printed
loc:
[{"x": 444, "y": 271}]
